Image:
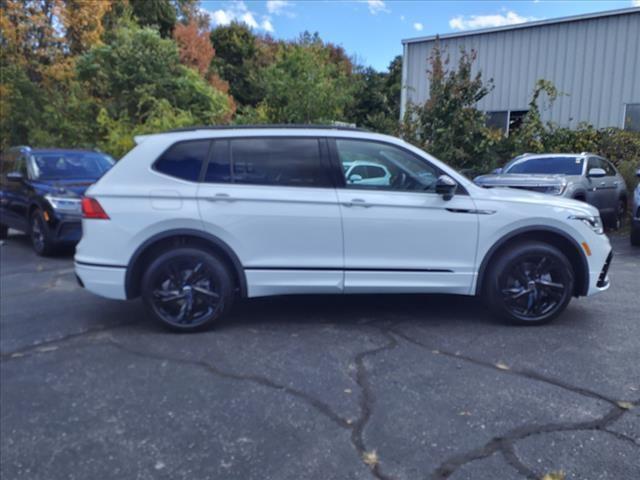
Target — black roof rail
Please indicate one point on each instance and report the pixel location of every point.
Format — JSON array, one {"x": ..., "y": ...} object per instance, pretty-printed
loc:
[{"x": 292, "y": 126}]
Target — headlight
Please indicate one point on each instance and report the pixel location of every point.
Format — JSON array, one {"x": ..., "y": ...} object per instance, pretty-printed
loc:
[
  {"x": 64, "y": 204},
  {"x": 595, "y": 223},
  {"x": 555, "y": 189}
]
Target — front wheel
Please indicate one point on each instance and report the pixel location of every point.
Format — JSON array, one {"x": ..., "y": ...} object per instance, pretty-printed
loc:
[
  {"x": 529, "y": 284},
  {"x": 635, "y": 234},
  {"x": 187, "y": 289},
  {"x": 40, "y": 236},
  {"x": 621, "y": 211}
]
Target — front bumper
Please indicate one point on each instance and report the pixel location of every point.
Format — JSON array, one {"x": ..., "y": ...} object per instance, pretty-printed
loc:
[
  {"x": 599, "y": 266},
  {"x": 65, "y": 229}
]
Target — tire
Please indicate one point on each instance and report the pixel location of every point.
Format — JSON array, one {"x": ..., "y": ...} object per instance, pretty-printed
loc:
[
  {"x": 635, "y": 234},
  {"x": 4, "y": 232},
  {"x": 617, "y": 219},
  {"x": 187, "y": 289},
  {"x": 530, "y": 283},
  {"x": 40, "y": 235}
]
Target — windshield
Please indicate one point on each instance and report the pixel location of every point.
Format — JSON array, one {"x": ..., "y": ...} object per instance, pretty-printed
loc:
[
  {"x": 549, "y": 165},
  {"x": 69, "y": 165}
]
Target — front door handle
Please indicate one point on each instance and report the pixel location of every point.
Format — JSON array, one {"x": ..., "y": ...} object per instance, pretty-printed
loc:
[
  {"x": 356, "y": 202},
  {"x": 220, "y": 197}
]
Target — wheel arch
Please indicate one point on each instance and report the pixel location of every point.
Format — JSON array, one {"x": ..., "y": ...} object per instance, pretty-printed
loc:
[
  {"x": 164, "y": 241},
  {"x": 550, "y": 235}
]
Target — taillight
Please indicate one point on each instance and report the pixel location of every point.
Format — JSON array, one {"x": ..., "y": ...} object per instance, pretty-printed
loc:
[{"x": 91, "y": 208}]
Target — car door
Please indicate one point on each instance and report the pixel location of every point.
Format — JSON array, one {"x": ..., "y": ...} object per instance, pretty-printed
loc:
[
  {"x": 271, "y": 199},
  {"x": 403, "y": 236},
  {"x": 599, "y": 192},
  {"x": 613, "y": 185},
  {"x": 17, "y": 194}
]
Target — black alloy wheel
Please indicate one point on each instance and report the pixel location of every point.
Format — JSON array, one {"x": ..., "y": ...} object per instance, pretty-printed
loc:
[
  {"x": 40, "y": 236},
  {"x": 531, "y": 284},
  {"x": 621, "y": 211},
  {"x": 187, "y": 289}
]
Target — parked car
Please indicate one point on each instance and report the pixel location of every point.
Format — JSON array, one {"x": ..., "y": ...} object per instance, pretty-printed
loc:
[
  {"x": 367, "y": 173},
  {"x": 40, "y": 191},
  {"x": 191, "y": 219},
  {"x": 635, "y": 212},
  {"x": 585, "y": 176}
]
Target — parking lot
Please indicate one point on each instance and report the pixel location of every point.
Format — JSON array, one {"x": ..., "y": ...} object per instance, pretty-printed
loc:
[{"x": 403, "y": 387}]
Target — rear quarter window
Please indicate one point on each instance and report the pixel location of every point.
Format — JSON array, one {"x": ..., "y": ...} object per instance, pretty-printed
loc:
[{"x": 184, "y": 160}]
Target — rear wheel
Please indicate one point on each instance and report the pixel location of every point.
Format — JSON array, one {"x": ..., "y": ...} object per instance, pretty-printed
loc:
[
  {"x": 529, "y": 284},
  {"x": 187, "y": 289},
  {"x": 40, "y": 235},
  {"x": 621, "y": 211}
]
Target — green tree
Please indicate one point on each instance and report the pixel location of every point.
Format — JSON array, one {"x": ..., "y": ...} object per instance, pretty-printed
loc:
[
  {"x": 393, "y": 87},
  {"x": 156, "y": 13},
  {"x": 137, "y": 78},
  {"x": 304, "y": 86},
  {"x": 236, "y": 61},
  {"x": 448, "y": 124}
]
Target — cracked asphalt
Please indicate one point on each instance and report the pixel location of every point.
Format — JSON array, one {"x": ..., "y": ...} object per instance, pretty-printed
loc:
[{"x": 354, "y": 387}]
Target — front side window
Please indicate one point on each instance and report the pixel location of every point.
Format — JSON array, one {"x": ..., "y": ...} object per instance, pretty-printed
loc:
[
  {"x": 610, "y": 169},
  {"x": 292, "y": 162},
  {"x": 184, "y": 159},
  {"x": 547, "y": 165},
  {"x": 381, "y": 166},
  {"x": 595, "y": 162}
]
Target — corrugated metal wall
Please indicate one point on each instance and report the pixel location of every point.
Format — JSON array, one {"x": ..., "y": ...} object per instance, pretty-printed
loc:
[{"x": 596, "y": 62}]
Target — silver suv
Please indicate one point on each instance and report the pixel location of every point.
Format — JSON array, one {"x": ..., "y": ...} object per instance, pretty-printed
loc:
[
  {"x": 635, "y": 213},
  {"x": 585, "y": 176}
]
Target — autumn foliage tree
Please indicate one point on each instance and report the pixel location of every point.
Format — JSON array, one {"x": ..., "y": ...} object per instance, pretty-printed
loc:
[{"x": 194, "y": 47}]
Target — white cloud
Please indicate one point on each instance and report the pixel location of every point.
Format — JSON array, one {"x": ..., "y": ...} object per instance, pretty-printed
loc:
[
  {"x": 280, "y": 7},
  {"x": 418, "y": 26},
  {"x": 266, "y": 25},
  {"x": 247, "y": 18},
  {"x": 237, "y": 11},
  {"x": 485, "y": 21},
  {"x": 377, "y": 6},
  {"x": 221, "y": 17},
  {"x": 635, "y": 3},
  {"x": 402, "y": 18}
]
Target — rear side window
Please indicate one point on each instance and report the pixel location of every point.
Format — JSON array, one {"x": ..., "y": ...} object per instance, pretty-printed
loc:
[
  {"x": 184, "y": 159},
  {"x": 293, "y": 162}
]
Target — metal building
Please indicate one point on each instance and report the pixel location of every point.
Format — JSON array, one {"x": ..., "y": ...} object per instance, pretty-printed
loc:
[{"x": 594, "y": 59}]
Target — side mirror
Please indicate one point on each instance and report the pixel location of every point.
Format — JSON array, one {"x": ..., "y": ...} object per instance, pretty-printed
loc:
[
  {"x": 355, "y": 178},
  {"x": 15, "y": 177},
  {"x": 597, "y": 173},
  {"x": 446, "y": 186},
  {"x": 497, "y": 171}
]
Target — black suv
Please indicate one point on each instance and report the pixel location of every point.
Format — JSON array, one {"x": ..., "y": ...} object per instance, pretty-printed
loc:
[{"x": 41, "y": 192}]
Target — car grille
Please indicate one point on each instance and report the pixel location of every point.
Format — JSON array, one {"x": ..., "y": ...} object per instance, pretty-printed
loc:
[
  {"x": 602, "y": 279},
  {"x": 533, "y": 189}
]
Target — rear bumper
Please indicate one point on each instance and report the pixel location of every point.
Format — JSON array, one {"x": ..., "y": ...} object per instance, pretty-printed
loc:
[{"x": 102, "y": 280}]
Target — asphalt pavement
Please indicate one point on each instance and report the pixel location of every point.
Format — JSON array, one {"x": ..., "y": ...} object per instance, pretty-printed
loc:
[{"x": 343, "y": 387}]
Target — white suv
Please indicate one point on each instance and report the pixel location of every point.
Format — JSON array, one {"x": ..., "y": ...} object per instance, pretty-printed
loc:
[{"x": 191, "y": 219}]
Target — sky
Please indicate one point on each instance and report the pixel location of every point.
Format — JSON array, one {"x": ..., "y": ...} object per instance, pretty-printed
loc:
[{"x": 372, "y": 30}]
